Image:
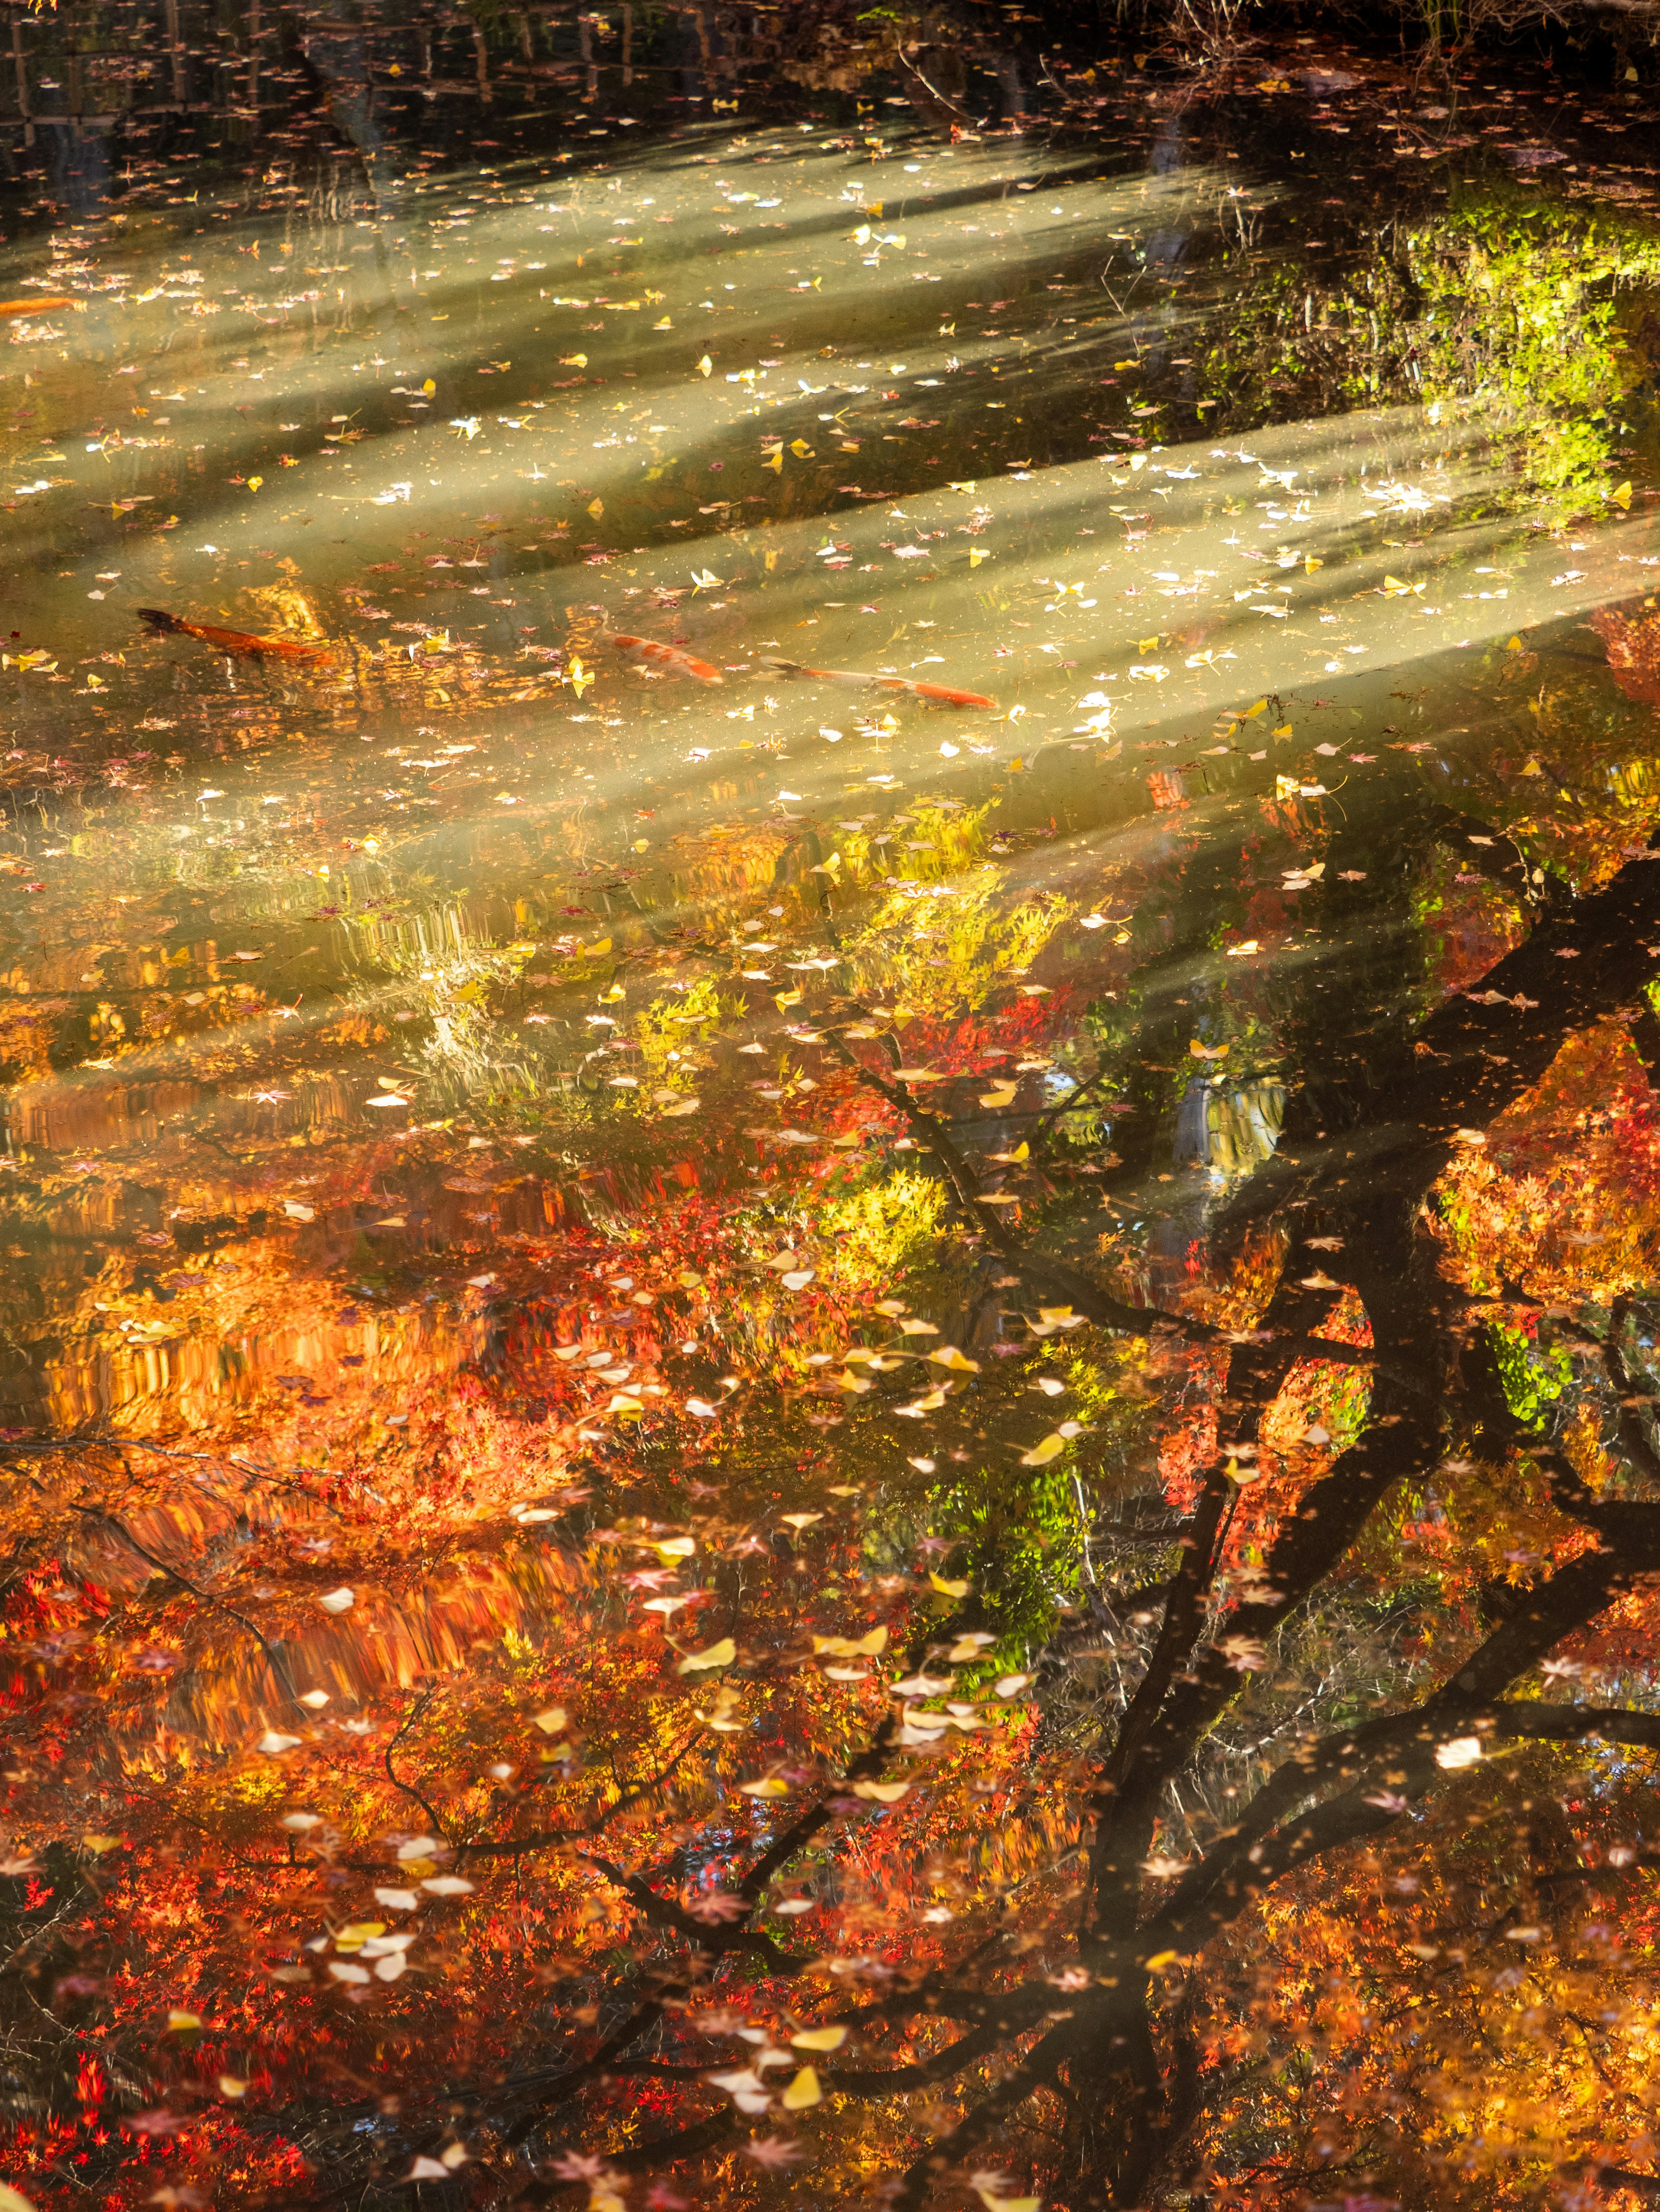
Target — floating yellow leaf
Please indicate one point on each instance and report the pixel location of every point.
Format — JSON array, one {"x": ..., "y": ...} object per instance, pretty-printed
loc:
[
  {"x": 572, "y": 361},
  {"x": 848, "y": 1647},
  {"x": 1620, "y": 496},
  {"x": 705, "y": 366},
  {"x": 550, "y": 1722},
  {"x": 429, "y": 387},
  {"x": 949, "y": 1356},
  {"x": 182, "y": 2023},
  {"x": 718, "y": 1655},
  {"x": 596, "y": 508},
  {"x": 770, "y": 1786},
  {"x": 801, "y": 449},
  {"x": 1041, "y": 1455},
  {"x": 774, "y": 461},
  {"x": 802, "y": 2092},
  {"x": 13, "y": 2200},
  {"x": 948, "y": 1589},
  {"x": 1003, "y": 1096},
  {"x": 882, "y": 1793},
  {"x": 820, "y": 2039}
]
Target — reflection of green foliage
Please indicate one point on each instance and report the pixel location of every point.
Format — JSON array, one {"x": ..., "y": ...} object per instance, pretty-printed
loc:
[
  {"x": 1023, "y": 1533},
  {"x": 1530, "y": 1380},
  {"x": 1440, "y": 906},
  {"x": 1521, "y": 315},
  {"x": 1502, "y": 306}
]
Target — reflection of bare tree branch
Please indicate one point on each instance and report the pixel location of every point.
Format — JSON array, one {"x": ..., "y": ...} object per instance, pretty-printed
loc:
[
  {"x": 552, "y": 1838},
  {"x": 408, "y": 1788}
]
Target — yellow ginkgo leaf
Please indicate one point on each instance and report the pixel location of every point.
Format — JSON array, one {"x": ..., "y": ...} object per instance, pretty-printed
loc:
[
  {"x": 882, "y": 1793},
  {"x": 774, "y": 461},
  {"x": 705, "y": 366},
  {"x": 718, "y": 1655},
  {"x": 948, "y": 1589},
  {"x": 820, "y": 2039},
  {"x": 949, "y": 1356},
  {"x": 1003, "y": 1096},
  {"x": 596, "y": 508},
  {"x": 769, "y": 1786},
  {"x": 849, "y": 1647},
  {"x": 1041, "y": 1455},
  {"x": 550, "y": 1722},
  {"x": 802, "y": 2092},
  {"x": 13, "y": 2200}
]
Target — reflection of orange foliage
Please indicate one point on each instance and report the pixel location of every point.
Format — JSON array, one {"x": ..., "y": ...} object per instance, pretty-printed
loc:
[
  {"x": 1634, "y": 650},
  {"x": 1565, "y": 1196}
]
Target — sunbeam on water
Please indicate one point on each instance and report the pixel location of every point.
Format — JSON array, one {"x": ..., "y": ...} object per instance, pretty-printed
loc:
[{"x": 827, "y": 932}]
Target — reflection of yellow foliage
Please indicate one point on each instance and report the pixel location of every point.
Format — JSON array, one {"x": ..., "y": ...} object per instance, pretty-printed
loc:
[
  {"x": 955, "y": 841},
  {"x": 26, "y": 1034},
  {"x": 941, "y": 954},
  {"x": 876, "y": 1232},
  {"x": 678, "y": 1023},
  {"x": 287, "y": 609}
]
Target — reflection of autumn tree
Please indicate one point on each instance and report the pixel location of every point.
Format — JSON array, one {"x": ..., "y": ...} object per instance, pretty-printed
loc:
[{"x": 835, "y": 1610}]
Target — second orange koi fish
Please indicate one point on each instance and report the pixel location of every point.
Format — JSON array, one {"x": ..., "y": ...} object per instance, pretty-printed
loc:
[
  {"x": 938, "y": 695},
  {"x": 668, "y": 659}
]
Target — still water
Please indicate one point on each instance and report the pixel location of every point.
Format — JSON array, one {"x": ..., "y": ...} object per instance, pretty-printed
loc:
[{"x": 377, "y": 1026}]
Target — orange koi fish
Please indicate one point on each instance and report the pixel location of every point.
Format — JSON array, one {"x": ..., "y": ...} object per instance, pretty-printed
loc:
[
  {"x": 936, "y": 695},
  {"x": 43, "y": 307},
  {"x": 667, "y": 658},
  {"x": 232, "y": 640}
]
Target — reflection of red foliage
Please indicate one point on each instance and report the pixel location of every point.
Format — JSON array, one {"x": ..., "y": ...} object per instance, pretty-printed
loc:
[
  {"x": 1166, "y": 786},
  {"x": 1634, "y": 650}
]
